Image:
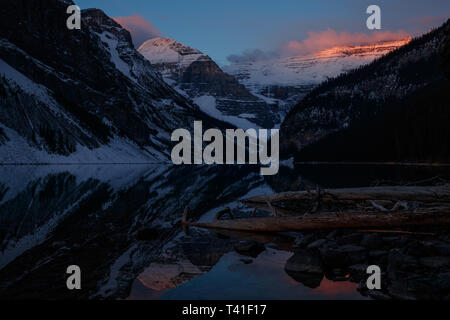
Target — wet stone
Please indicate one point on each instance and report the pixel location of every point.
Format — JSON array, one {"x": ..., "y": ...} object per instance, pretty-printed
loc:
[
  {"x": 310, "y": 280},
  {"x": 333, "y": 234},
  {"x": 391, "y": 242},
  {"x": 420, "y": 249},
  {"x": 371, "y": 241},
  {"x": 342, "y": 256},
  {"x": 402, "y": 261},
  {"x": 273, "y": 246},
  {"x": 58, "y": 244},
  {"x": 353, "y": 238},
  {"x": 305, "y": 266},
  {"x": 337, "y": 274},
  {"x": 378, "y": 295},
  {"x": 317, "y": 243},
  {"x": 358, "y": 268},
  {"x": 442, "y": 283},
  {"x": 378, "y": 253},
  {"x": 332, "y": 258},
  {"x": 443, "y": 248},
  {"x": 249, "y": 248},
  {"x": 303, "y": 241},
  {"x": 305, "y": 260},
  {"x": 415, "y": 286},
  {"x": 435, "y": 262}
]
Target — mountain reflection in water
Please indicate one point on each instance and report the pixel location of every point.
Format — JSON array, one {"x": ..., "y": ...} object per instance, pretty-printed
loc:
[
  {"x": 232, "y": 278},
  {"x": 55, "y": 216}
]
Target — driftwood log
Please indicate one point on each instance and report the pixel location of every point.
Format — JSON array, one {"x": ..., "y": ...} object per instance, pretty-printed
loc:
[
  {"x": 434, "y": 209},
  {"x": 394, "y": 193},
  {"x": 437, "y": 216}
]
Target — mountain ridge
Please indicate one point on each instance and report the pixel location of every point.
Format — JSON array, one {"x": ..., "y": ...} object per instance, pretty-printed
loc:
[
  {"x": 363, "y": 109},
  {"x": 195, "y": 75},
  {"x": 83, "y": 95},
  {"x": 287, "y": 80}
]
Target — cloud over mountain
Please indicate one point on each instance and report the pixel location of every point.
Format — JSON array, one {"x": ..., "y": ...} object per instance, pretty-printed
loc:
[
  {"x": 252, "y": 56},
  {"x": 141, "y": 30},
  {"x": 318, "y": 41}
]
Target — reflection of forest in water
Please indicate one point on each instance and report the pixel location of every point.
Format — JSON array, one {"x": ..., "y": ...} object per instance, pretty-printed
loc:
[{"x": 121, "y": 225}]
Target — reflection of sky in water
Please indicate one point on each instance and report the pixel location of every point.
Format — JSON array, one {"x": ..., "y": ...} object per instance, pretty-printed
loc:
[{"x": 264, "y": 278}]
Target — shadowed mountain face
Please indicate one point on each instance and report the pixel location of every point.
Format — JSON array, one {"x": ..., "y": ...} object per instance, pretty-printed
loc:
[
  {"x": 198, "y": 77},
  {"x": 85, "y": 94},
  {"x": 396, "y": 108},
  {"x": 446, "y": 56}
]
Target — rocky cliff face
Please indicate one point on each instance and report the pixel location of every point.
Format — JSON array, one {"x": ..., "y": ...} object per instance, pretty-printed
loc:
[
  {"x": 365, "y": 93},
  {"x": 198, "y": 77},
  {"x": 81, "y": 95},
  {"x": 288, "y": 80}
]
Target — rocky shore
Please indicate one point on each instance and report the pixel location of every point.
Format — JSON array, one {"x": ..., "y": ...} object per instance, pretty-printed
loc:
[{"x": 413, "y": 266}]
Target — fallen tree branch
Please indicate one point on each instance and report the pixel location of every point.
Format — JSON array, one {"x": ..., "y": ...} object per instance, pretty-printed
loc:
[
  {"x": 396, "y": 232},
  {"x": 186, "y": 212},
  {"x": 331, "y": 221},
  {"x": 272, "y": 209},
  {"x": 223, "y": 212},
  {"x": 394, "y": 193},
  {"x": 378, "y": 206}
]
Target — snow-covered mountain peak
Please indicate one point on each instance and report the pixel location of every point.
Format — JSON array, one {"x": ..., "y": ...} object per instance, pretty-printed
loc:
[
  {"x": 164, "y": 50},
  {"x": 196, "y": 76},
  {"x": 360, "y": 50},
  {"x": 287, "y": 80},
  {"x": 309, "y": 69}
]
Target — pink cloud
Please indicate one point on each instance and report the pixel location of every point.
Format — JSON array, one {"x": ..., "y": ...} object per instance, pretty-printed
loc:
[
  {"x": 429, "y": 20},
  {"x": 317, "y": 41},
  {"x": 141, "y": 30}
]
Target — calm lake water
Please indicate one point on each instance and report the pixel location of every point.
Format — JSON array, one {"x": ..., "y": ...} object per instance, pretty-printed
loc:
[{"x": 93, "y": 216}]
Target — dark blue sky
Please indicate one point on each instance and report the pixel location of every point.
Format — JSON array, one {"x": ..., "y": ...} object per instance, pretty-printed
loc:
[{"x": 222, "y": 28}]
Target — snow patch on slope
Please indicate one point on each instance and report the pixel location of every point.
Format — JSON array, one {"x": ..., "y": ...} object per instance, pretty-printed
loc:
[
  {"x": 119, "y": 150},
  {"x": 114, "y": 272},
  {"x": 111, "y": 41},
  {"x": 27, "y": 85},
  {"x": 208, "y": 105}
]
